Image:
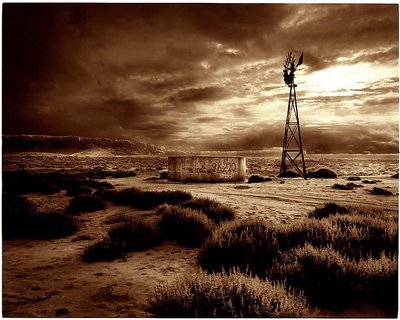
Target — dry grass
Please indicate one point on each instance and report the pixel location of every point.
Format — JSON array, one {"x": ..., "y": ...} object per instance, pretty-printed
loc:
[{"x": 227, "y": 296}]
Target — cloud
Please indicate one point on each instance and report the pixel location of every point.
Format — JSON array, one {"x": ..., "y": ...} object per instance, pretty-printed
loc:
[
  {"x": 198, "y": 95},
  {"x": 323, "y": 139},
  {"x": 170, "y": 73}
]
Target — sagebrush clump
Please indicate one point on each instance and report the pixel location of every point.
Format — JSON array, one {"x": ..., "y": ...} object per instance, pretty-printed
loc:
[
  {"x": 227, "y": 296},
  {"x": 21, "y": 220},
  {"x": 146, "y": 200},
  {"x": 131, "y": 235},
  {"x": 187, "y": 226},
  {"x": 85, "y": 203},
  {"x": 213, "y": 209}
]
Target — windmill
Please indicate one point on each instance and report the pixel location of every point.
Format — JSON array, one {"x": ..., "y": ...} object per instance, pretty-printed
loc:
[{"x": 292, "y": 150}]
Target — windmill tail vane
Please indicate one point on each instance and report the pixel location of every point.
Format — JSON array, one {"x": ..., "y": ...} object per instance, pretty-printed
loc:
[{"x": 292, "y": 150}]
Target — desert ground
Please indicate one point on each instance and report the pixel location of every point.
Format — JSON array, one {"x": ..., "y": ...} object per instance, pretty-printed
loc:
[{"x": 47, "y": 278}]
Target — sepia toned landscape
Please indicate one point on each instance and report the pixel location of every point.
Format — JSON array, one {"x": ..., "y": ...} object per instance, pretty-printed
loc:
[{"x": 143, "y": 173}]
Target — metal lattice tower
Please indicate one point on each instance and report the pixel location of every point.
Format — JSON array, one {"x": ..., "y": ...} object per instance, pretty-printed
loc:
[{"x": 292, "y": 150}]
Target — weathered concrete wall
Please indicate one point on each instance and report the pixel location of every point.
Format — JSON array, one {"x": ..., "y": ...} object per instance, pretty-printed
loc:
[{"x": 206, "y": 169}]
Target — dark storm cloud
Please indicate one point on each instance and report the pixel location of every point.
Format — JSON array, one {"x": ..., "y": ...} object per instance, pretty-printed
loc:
[
  {"x": 325, "y": 139},
  {"x": 198, "y": 94},
  {"x": 315, "y": 62}
]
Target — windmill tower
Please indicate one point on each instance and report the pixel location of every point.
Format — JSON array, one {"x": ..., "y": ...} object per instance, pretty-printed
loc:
[{"x": 292, "y": 150}]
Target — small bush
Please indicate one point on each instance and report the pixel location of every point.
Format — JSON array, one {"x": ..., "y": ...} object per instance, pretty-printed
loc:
[
  {"x": 136, "y": 235},
  {"x": 214, "y": 210},
  {"x": 132, "y": 235},
  {"x": 379, "y": 280},
  {"x": 146, "y": 200},
  {"x": 323, "y": 274},
  {"x": 353, "y": 178},
  {"x": 290, "y": 174},
  {"x": 118, "y": 218},
  {"x": 347, "y": 186},
  {"x": 248, "y": 245},
  {"x": 123, "y": 174},
  {"x": 85, "y": 203},
  {"x": 257, "y": 179},
  {"x": 22, "y": 182},
  {"x": 322, "y": 173},
  {"x": 380, "y": 191},
  {"x": 333, "y": 281},
  {"x": 370, "y": 181},
  {"x": 226, "y": 296},
  {"x": 329, "y": 209},
  {"x": 78, "y": 190},
  {"x": 21, "y": 220},
  {"x": 103, "y": 250},
  {"x": 188, "y": 227}
]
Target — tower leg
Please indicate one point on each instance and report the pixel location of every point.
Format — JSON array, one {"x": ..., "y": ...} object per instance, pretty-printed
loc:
[{"x": 292, "y": 149}]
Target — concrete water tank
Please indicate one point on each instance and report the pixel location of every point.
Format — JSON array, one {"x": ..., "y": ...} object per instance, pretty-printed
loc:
[{"x": 206, "y": 168}]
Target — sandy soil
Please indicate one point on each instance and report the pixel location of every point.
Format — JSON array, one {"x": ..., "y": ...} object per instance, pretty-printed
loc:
[{"x": 47, "y": 278}]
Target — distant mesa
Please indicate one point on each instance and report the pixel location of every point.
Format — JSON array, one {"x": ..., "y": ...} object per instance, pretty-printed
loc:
[{"x": 74, "y": 145}]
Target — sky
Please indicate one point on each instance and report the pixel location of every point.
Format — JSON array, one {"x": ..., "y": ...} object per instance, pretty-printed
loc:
[{"x": 203, "y": 76}]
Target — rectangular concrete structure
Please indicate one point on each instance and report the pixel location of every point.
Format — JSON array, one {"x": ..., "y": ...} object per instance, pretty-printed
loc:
[{"x": 206, "y": 168}]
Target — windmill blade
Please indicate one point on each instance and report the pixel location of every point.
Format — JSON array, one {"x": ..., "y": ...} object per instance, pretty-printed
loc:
[{"x": 300, "y": 60}]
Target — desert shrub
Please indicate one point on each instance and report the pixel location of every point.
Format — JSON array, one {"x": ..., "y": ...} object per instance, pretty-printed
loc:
[
  {"x": 103, "y": 250},
  {"x": 99, "y": 185},
  {"x": 188, "y": 227},
  {"x": 21, "y": 220},
  {"x": 131, "y": 235},
  {"x": 85, "y": 203},
  {"x": 149, "y": 199},
  {"x": 79, "y": 190},
  {"x": 123, "y": 174},
  {"x": 256, "y": 179},
  {"x": 53, "y": 225},
  {"x": 213, "y": 209},
  {"x": 136, "y": 234},
  {"x": 105, "y": 194},
  {"x": 329, "y": 209},
  {"x": 290, "y": 174},
  {"x": 23, "y": 182},
  {"x": 378, "y": 279},
  {"x": 342, "y": 186},
  {"x": 248, "y": 245},
  {"x": 331, "y": 280},
  {"x": 353, "y": 178},
  {"x": 125, "y": 197},
  {"x": 359, "y": 236},
  {"x": 220, "y": 295},
  {"x": 118, "y": 218},
  {"x": 322, "y": 173},
  {"x": 325, "y": 276},
  {"x": 355, "y": 234},
  {"x": 380, "y": 191},
  {"x": 370, "y": 181}
]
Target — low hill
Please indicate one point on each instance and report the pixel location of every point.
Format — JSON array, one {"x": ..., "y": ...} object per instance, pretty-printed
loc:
[{"x": 75, "y": 144}]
